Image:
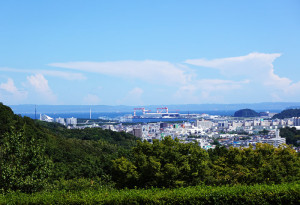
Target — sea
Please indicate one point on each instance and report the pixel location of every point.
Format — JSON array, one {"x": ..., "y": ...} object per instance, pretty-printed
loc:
[{"x": 118, "y": 115}]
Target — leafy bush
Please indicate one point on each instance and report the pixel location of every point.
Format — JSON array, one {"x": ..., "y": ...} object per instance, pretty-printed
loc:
[
  {"x": 166, "y": 163},
  {"x": 170, "y": 163},
  {"x": 265, "y": 164},
  {"x": 258, "y": 194},
  {"x": 81, "y": 184}
]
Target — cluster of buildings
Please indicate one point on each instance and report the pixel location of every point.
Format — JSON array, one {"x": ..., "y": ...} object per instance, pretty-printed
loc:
[
  {"x": 69, "y": 122},
  {"x": 208, "y": 131}
]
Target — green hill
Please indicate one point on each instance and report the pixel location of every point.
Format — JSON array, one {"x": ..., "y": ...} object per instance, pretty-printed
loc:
[
  {"x": 287, "y": 114},
  {"x": 65, "y": 154},
  {"x": 246, "y": 113}
]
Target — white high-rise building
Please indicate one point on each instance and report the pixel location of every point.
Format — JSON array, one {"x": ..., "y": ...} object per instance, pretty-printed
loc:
[
  {"x": 71, "y": 121},
  {"x": 60, "y": 121},
  {"x": 203, "y": 124}
]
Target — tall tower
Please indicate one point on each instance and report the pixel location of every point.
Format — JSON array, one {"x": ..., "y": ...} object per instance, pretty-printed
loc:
[
  {"x": 90, "y": 113},
  {"x": 35, "y": 112}
]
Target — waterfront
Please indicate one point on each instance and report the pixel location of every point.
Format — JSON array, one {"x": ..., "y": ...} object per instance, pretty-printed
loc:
[{"x": 118, "y": 115}]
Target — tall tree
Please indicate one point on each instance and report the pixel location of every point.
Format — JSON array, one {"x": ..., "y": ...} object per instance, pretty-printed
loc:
[
  {"x": 23, "y": 163},
  {"x": 166, "y": 163}
]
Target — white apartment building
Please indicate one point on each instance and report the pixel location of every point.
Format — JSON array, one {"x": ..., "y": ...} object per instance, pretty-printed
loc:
[{"x": 71, "y": 121}]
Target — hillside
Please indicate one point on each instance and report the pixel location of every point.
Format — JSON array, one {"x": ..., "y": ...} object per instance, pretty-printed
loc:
[
  {"x": 67, "y": 154},
  {"x": 287, "y": 114},
  {"x": 246, "y": 113}
]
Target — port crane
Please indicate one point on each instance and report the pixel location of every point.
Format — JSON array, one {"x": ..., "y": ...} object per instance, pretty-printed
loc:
[{"x": 162, "y": 108}]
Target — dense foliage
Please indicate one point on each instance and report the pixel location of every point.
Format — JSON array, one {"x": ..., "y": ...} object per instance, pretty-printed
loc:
[
  {"x": 87, "y": 152},
  {"x": 24, "y": 165},
  {"x": 246, "y": 113},
  {"x": 166, "y": 163},
  {"x": 258, "y": 194},
  {"x": 264, "y": 164},
  {"x": 289, "y": 113},
  {"x": 170, "y": 163},
  {"x": 291, "y": 134},
  {"x": 36, "y": 153},
  {"x": 7, "y": 119}
]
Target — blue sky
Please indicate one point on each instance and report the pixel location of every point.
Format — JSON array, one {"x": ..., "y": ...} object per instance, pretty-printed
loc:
[{"x": 149, "y": 52}]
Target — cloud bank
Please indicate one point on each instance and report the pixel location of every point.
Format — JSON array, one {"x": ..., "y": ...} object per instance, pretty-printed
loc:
[
  {"x": 54, "y": 73},
  {"x": 239, "y": 79},
  {"x": 148, "y": 70},
  {"x": 257, "y": 69}
]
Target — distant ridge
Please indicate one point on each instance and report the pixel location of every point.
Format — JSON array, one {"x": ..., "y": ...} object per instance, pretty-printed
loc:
[
  {"x": 289, "y": 113},
  {"x": 265, "y": 106}
]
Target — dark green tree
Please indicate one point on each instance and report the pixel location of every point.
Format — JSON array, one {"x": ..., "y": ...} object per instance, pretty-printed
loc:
[
  {"x": 166, "y": 163},
  {"x": 291, "y": 134},
  {"x": 23, "y": 163},
  {"x": 264, "y": 164}
]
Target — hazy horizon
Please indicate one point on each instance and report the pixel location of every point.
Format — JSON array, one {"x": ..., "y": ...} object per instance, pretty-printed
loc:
[
  {"x": 272, "y": 107},
  {"x": 241, "y": 103}
]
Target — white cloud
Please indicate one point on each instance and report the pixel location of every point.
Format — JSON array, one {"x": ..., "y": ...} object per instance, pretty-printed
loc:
[
  {"x": 54, "y": 73},
  {"x": 9, "y": 93},
  {"x": 248, "y": 65},
  {"x": 9, "y": 86},
  {"x": 161, "y": 72},
  {"x": 245, "y": 77},
  {"x": 40, "y": 84},
  {"x": 201, "y": 90},
  {"x": 133, "y": 97},
  {"x": 136, "y": 92},
  {"x": 220, "y": 85},
  {"x": 91, "y": 99},
  {"x": 62, "y": 74},
  {"x": 258, "y": 68}
]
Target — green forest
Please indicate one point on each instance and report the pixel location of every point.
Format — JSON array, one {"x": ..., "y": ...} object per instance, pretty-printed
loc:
[
  {"x": 46, "y": 163},
  {"x": 289, "y": 113}
]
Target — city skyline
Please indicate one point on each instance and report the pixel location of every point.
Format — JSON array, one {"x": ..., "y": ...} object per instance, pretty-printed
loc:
[{"x": 143, "y": 53}]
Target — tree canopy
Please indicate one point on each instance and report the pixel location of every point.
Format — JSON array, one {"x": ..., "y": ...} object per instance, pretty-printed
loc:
[{"x": 170, "y": 163}]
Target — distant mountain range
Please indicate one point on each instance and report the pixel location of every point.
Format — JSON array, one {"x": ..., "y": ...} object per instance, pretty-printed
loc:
[{"x": 266, "y": 106}]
